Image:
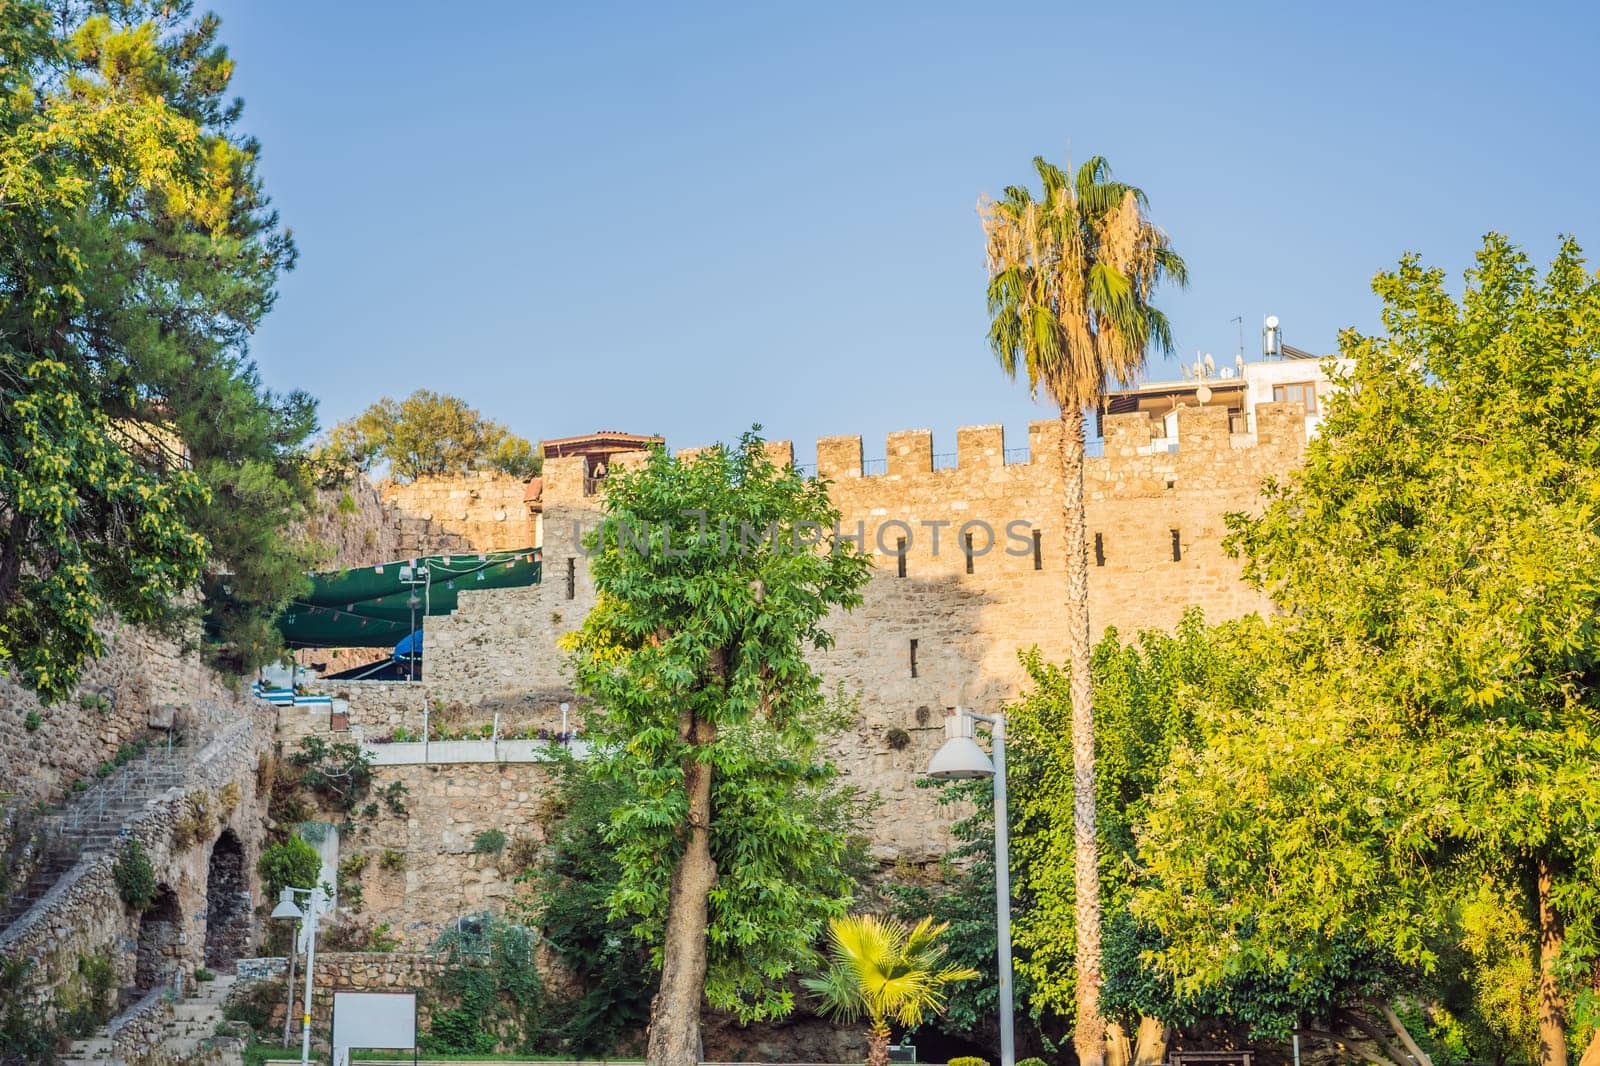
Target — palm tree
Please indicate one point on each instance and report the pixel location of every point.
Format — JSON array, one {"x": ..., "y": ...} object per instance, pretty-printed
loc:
[
  {"x": 1070, "y": 281},
  {"x": 884, "y": 970}
]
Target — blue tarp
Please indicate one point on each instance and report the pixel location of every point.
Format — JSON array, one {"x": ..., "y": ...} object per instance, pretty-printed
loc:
[{"x": 409, "y": 647}]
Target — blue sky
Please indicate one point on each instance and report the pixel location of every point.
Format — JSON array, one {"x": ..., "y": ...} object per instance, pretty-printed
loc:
[{"x": 681, "y": 219}]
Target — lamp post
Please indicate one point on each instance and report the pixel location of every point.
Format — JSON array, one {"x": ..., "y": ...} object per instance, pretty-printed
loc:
[
  {"x": 960, "y": 758},
  {"x": 409, "y": 575},
  {"x": 288, "y": 908}
]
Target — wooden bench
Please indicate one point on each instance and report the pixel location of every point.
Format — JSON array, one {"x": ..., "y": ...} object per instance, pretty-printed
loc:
[{"x": 1190, "y": 1058}]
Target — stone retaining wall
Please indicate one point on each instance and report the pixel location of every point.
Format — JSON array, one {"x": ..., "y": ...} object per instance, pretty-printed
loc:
[
  {"x": 340, "y": 971},
  {"x": 140, "y": 676},
  {"x": 84, "y": 913},
  {"x": 443, "y": 878}
]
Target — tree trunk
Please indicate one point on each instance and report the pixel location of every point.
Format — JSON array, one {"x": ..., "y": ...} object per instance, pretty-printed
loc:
[
  {"x": 1552, "y": 1010},
  {"x": 1089, "y": 1035},
  {"x": 675, "y": 1018},
  {"x": 1150, "y": 1047},
  {"x": 878, "y": 1045},
  {"x": 1119, "y": 1049},
  {"x": 1406, "y": 1040},
  {"x": 1391, "y": 1052},
  {"x": 1591, "y": 1054}
]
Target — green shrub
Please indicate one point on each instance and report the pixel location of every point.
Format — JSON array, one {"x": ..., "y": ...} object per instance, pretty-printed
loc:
[
  {"x": 22, "y": 1037},
  {"x": 392, "y": 861},
  {"x": 313, "y": 832},
  {"x": 87, "y": 1004},
  {"x": 195, "y": 824},
  {"x": 203, "y": 974},
  {"x": 489, "y": 842},
  {"x": 292, "y": 864},
  {"x": 1031, "y": 1062},
  {"x": 31, "y": 722},
  {"x": 456, "y": 1032},
  {"x": 491, "y": 975},
  {"x": 255, "y": 1006},
  {"x": 524, "y": 853},
  {"x": 350, "y": 869},
  {"x": 135, "y": 877},
  {"x": 968, "y": 1060}
]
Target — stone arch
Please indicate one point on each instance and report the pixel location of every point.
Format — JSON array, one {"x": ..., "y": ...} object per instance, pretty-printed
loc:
[
  {"x": 160, "y": 933},
  {"x": 227, "y": 903}
]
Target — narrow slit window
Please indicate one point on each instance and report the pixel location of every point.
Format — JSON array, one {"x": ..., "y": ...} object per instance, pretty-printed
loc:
[
  {"x": 1038, "y": 548},
  {"x": 900, "y": 556},
  {"x": 572, "y": 577},
  {"x": 913, "y": 657},
  {"x": 1099, "y": 549},
  {"x": 1177, "y": 547},
  {"x": 969, "y": 553}
]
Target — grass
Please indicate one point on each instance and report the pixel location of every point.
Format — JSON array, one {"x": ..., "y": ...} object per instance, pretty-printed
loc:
[{"x": 261, "y": 1054}]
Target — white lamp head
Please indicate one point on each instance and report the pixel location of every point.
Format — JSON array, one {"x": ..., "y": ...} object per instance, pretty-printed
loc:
[
  {"x": 286, "y": 907},
  {"x": 959, "y": 757}
]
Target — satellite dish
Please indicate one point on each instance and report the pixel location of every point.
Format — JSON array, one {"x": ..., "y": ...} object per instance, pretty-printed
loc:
[
  {"x": 1203, "y": 394},
  {"x": 1272, "y": 321}
]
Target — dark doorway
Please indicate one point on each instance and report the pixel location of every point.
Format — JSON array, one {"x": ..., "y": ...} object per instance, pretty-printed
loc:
[
  {"x": 227, "y": 904},
  {"x": 159, "y": 928}
]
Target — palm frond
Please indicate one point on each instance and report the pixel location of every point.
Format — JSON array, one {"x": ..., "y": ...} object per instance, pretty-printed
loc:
[
  {"x": 884, "y": 969},
  {"x": 1071, "y": 281}
]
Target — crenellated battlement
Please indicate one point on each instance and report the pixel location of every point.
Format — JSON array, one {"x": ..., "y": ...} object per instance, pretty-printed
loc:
[{"x": 1197, "y": 445}]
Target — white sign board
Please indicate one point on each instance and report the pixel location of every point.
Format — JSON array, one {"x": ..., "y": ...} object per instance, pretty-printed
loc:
[{"x": 375, "y": 1020}]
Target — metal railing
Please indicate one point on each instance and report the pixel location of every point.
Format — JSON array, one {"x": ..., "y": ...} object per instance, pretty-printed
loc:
[
  {"x": 874, "y": 467},
  {"x": 1017, "y": 456},
  {"x": 946, "y": 460}
]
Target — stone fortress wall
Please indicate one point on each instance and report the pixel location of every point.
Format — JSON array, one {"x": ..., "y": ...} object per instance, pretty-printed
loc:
[
  {"x": 936, "y": 634},
  {"x": 485, "y": 509},
  {"x": 941, "y": 632}
]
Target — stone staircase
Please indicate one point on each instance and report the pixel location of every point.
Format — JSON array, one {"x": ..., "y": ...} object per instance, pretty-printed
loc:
[
  {"x": 92, "y": 823},
  {"x": 194, "y": 1021}
]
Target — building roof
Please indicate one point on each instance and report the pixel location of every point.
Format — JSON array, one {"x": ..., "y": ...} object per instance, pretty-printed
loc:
[{"x": 600, "y": 442}]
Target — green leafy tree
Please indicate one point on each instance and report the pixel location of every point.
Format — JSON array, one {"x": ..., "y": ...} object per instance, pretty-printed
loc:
[
  {"x": 291, "y": 864},
  {"x": 1415, "y": 773},
  {"x": 885, "y": 971},
  {"x": 137, "y": 251},
  {"x": 428, "y": 434},
  {"x": 694, "y": 656},
  {"x": 570, "y": 904},
  {"x": 1071, "y": 279}
]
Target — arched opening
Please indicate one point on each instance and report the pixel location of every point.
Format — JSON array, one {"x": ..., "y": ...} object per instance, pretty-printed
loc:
[
  {"x": 159, "y": 929},
  {"x": 227, "y": 904}
]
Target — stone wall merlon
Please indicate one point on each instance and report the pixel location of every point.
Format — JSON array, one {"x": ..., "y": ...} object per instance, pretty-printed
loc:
[{"x": 979, "y": 446}]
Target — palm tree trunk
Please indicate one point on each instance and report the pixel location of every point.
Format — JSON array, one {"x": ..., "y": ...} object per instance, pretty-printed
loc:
[
  {"x": 1552, "y": 1008},
  {"x": 675, "y": 1018},
  {"x": 1089, "y": 1035},
  {"x": 878, "y": 1045}
]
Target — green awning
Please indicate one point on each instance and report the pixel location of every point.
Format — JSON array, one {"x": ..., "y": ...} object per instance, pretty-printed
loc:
[{"x": 371, "y": 606}]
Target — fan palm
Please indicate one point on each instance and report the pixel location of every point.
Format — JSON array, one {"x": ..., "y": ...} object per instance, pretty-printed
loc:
[
  {"x": 885, "y": 971},
  {"x": 1071, "y": 277}
]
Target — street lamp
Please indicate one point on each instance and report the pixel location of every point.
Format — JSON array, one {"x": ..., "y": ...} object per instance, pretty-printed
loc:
[
  {"x": 960, "y": 758},
  {"x": 287, "y": 908}
]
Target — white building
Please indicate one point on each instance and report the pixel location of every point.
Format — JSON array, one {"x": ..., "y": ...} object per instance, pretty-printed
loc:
[{"x": 1284, "y": 374}]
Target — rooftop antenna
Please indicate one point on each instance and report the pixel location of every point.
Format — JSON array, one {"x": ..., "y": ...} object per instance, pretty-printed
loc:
[{"x": 1239, "y": 319}]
